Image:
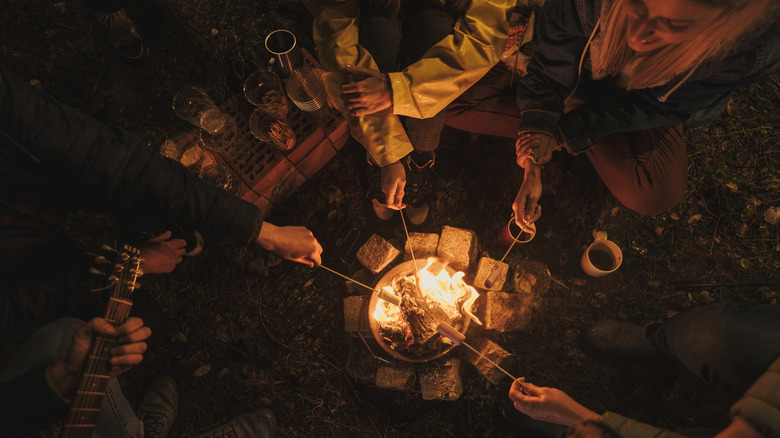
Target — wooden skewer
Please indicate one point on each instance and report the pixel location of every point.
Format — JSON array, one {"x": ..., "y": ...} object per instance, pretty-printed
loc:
[
  {"x": 345, "y": 277},
  {"x": 487, "y": 359},
  {"x": 387, "y": 296}
]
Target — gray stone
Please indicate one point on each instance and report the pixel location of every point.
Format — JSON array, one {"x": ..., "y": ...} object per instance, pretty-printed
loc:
[
  {"x": 458, "y": 247},
  {"x": 494, "y": 352},
  {"x": 353, "y": 314},
  {"x": 377, "y": 253},
  {"x": 484, "y": 268},
  {"x": 423, "y": 244},
  {"x": 362, "y": 365},
  {"x": 506, "y": 312},
  {"x": 395, "y": 377},
  {"x": 364, "y": 276},
  {"x": 441, "y": 381}
]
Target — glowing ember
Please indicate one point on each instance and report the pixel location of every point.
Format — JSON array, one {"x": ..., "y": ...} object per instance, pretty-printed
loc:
[{"x": 406, "y": 325}]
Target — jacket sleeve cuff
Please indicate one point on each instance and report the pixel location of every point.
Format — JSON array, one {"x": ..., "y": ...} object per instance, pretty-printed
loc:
[
  {"x": 402, "y": 94},
  {"x": 574, "y": 134},
  {"x": 538, "y": 120}
]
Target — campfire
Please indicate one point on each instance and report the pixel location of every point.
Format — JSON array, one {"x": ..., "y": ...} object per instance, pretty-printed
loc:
[{"x": 404, "y": 314}]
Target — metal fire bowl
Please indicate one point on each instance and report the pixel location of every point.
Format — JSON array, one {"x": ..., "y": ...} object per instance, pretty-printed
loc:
[{"x": 404, "y": 269}]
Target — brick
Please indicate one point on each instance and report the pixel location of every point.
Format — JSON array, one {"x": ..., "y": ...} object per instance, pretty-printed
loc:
[
  {"x": 395, "y": 377},
  {"x": 353, "y": 315},
  {"x": 316, "y": 158},
  {"x": 458, "y": 247},
  {"x": 423, "y": 244},
  {"x": 364, "y": 276},
  {"x": 484, "y": 268},
  {"x": 505, "y": 312},
  {"x": 441, "y": 381},
  {"x": 492, "y": 351},
  {"x": 531, "y": 277},
  {"x": 377, "y": 253},
  {"x": 284, "y": 186}
]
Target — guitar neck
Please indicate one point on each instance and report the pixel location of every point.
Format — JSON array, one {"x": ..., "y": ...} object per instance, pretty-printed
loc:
[{"x": 85, "y": 406}]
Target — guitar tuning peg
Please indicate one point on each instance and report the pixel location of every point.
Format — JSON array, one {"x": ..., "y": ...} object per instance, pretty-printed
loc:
[
  {"x": 101, "y": 260},
  {"x": 105, "y": 247},
  {"x": 94, "y": 271},
  {"x": 113, "y": 279}
]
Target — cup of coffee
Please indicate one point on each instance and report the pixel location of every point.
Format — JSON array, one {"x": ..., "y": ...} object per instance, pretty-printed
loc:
[
  {"x": 283, "y": 45},
  {"x": 602, "y": 257}
]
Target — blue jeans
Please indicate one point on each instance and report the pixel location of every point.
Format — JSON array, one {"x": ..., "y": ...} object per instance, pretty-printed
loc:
[
  {"x": 50, "y": 344},
  {"x": 728, "y": 345}
]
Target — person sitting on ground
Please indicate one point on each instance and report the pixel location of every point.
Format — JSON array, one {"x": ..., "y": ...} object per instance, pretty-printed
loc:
[
  {"x": 37, "y": 386},
  {"x": 404, "y": 59},
  {"x": 733, "y": 346},
  {"x": 622, "y": 81},
  {"x": 55, "y": 160}
]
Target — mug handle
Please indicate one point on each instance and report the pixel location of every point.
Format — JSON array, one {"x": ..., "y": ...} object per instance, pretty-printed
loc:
[{"x": 599, "y": 235}]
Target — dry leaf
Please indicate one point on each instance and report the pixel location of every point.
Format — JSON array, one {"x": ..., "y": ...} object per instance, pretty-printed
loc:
[
  {"x": 694, "y": 218},
  {"x": 223, "y": 373},
  {"x": 659, "y": 230},
  {"x": 732, "y": 186},
  {"x": 309, "y": 283},
  {"x": 674, "y": 216},
  {"x": 745, "y": 263},
  {"x": 671, "y": 313},
  {"x": 214, "y": 32},
  {"x": 579, "y": 282},
  {"x": 614, "y": 211},
  {"x": 202, "y": 371},
  {"x": 772, "y": 215}
]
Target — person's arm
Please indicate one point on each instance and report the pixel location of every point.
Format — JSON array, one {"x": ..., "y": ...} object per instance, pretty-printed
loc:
[
  {"x": 115, "y": 170},
  {"x": 336, "y": 37},
  {"x": 558, "y": 43},
  {"x": 40, "y": 397},
  {"x": 455, "y": 63}
]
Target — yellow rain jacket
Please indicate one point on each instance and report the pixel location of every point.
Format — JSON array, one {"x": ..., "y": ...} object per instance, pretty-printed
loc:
[{"x": 422, "y": 89}]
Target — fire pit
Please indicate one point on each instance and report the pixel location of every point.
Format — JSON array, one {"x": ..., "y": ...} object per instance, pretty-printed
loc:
[{"x": 408, "y": 331}]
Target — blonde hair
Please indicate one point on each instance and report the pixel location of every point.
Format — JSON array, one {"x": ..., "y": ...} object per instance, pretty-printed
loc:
[{"x": 740, "y": 18}]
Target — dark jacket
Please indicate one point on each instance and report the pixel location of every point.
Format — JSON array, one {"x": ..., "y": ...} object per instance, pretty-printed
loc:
[
  {"x": 55, "y": 160},
  {"x": 560, "y": 35}
]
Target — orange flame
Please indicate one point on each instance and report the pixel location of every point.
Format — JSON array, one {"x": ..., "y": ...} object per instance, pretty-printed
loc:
[{"x": 438, "y": 289}]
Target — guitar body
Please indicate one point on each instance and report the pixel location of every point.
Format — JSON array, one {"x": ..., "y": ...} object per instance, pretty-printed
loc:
[{"x": 85, "y": 406}]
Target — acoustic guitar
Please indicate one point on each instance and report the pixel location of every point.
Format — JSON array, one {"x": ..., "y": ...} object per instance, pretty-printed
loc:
[{"x": 123, "y": 273}]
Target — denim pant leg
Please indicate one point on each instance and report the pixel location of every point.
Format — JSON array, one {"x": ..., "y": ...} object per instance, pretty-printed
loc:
[
  {"x": 728, "y": 345},
  {"x": 51, "y": 343}
]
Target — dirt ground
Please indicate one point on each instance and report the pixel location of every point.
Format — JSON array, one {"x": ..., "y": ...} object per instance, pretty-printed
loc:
[{"x": 248, "y": 330}]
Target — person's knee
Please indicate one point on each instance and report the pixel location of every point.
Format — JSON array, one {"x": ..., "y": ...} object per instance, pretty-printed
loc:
[{"x": 652, "y": 201}]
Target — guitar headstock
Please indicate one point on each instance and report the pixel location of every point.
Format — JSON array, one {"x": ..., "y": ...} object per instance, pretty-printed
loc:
[{"x": 121, "y": 268}]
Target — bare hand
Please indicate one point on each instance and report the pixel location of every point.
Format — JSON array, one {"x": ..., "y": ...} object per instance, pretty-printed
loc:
[
  {"x": 537, "y": 145},
  {"x": 369, "y": 95},
  {"x": 64, "y": 375},
  {"x": 393, "y": 185},
  {"x": 161, "y": 254},
  {"x": 292, "y": 243},
  {"x": 548, "y": 404},
  {"x": 526, "y": 207}
]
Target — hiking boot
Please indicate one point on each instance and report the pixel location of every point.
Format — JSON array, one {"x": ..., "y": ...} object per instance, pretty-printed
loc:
[
  {"x": 419, "y": 190},
  {"x": 618, "y": 338},
  {"x": 259, "y": 423},
  {"x": 159, "y": 407},
  {"x": 121, "y": 34}
]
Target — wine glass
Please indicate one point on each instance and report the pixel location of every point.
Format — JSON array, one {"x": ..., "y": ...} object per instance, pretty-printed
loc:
[
  {"x": 221, "y": 177},
  {"x": 217, "y": 130},
  {"x": 264, "y": 90},
  {"x": 273, "y": 129}
]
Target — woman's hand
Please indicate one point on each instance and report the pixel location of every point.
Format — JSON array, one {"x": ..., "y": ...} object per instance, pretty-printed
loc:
[
  {"x": 369, "y": 95},
  {"x": 292, "y": 243},
  {"x": 548, "y": 404},
  {"x": 161, "y": 254},
  {"x": 63, "y": 376},
  {"x": 393, "y": 185},
  {"x": 526, "y": 207},
  {"x": 538, "y": 145}
]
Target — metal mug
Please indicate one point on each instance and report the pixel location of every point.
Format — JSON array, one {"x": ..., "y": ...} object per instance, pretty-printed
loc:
[
  {"x": 283, "y": 45},
  {"x": 602, "y": 257}
]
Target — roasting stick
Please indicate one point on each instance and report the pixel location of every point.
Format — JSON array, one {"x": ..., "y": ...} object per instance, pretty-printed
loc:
[
  {"x": 417, "y": 277},
  {"x": 390, "y": 298},
  {"x": 493, "y": 275},
  {"x": 458, "y": 338}
]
